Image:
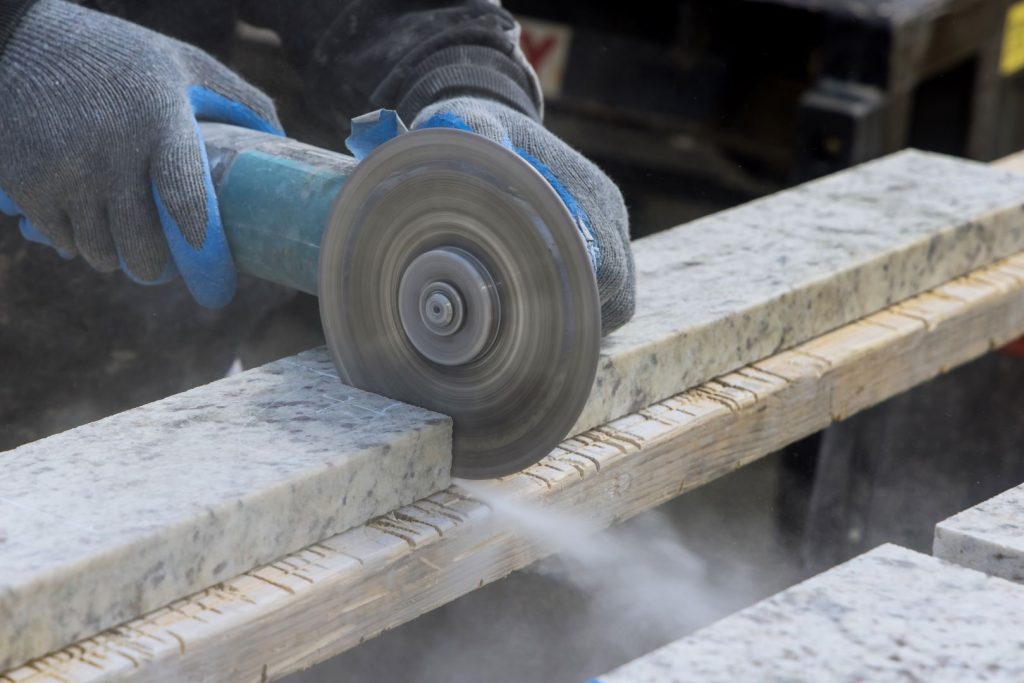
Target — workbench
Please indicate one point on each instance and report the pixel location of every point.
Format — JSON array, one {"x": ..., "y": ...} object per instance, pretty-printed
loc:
[{"x": 334, "y": 594}]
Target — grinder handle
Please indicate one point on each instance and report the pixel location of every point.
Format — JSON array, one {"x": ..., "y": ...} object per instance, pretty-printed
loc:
[{"x": 275, "y": 196}]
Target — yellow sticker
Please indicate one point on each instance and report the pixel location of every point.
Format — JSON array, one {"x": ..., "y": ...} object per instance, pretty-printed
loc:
[{"x": 1012, "y": 59}]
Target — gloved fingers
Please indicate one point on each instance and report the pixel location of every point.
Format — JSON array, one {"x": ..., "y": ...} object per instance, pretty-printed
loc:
[
  {"x": 51, "y": 228},
  {"x": 30, "y": 232},
  {"x": 7, "y": 205},
  {"x": 138, "y": 237},
  {"x": 592, "y": 198},
  {"x": 210, "y": 105},
  {"x": 190, "y": 217},
  {"x": 219, "y": 94},
  {"x": 601, "y": 218},
  {"x": 464, "y": 113},
  {"x": 91, "y": 228}
]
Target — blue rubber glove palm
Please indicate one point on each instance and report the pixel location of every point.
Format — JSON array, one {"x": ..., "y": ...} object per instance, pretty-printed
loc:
[
  {"x": 591, "y": 197},
  {"x": 101, "y": 152}
]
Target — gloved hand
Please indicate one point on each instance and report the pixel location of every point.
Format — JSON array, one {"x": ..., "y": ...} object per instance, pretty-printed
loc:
[
  {"x": 100, "y": 153},
  {"x": 591, "y": 197}
]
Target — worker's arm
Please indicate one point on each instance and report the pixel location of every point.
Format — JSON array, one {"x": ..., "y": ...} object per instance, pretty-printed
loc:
[
  {"x": 100, "y": 154},
  {"x": 361, "y": 55},
  {"x": 453, "y": 63}
]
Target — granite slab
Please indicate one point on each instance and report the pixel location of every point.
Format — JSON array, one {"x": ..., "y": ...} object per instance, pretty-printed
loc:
[
  {"x": 889, "y": 615},
  {"x": 110, "y": 520},
  {"x": 740, "y": 285},
  {"x": 988, "y": 537}
]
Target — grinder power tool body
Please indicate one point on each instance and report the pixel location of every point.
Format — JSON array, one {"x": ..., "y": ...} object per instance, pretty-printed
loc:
[{"x": 450, "y": 275}]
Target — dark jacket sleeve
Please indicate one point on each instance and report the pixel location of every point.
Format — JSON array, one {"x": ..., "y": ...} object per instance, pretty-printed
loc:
[
  {"x": 208, "y": 24},
  {"x": 11, "y": 12},
  {"x": 362, "y": 55}
]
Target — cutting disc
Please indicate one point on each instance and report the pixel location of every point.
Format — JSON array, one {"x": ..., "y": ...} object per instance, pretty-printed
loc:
[{"x": 452, "y": 277}]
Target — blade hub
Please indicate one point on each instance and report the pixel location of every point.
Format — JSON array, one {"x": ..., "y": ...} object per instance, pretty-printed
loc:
[
  {"x": 448, "y": 306},
  {"x": 442, "y": 308}
]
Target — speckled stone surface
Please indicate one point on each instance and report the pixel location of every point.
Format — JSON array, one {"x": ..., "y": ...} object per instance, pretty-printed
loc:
[
  {"x": 105, "y": 522},
  {"x": 735, "y": 287},
  {"x": 988, "y": 537},
  {"x": 889, "y": 615}
]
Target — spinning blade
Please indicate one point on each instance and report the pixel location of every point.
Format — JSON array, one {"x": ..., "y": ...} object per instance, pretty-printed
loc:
[{"x": 452, "y": 277}]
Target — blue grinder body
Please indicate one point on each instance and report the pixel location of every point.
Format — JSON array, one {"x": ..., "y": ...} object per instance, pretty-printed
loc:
[{"x": 275, "y": 196}]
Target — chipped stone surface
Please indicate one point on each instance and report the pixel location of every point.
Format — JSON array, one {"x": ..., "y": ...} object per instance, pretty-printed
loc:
[
  {"x": 735, "y": 287},
  {"x": 988, "y": 537},
  {"x": 889, "y": 615},
  {"x": 105, "y": 522}
]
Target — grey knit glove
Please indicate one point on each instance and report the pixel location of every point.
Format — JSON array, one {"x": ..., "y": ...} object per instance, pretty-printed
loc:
[
  {"x": 100, "y": 153},
  {"x": 591, "y": 197}
]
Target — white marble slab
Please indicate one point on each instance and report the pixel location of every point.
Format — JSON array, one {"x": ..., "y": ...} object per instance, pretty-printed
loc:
[
  {"x": 889, "y": 615},
  {"x": 735, "y": 287},
  {"x": 988, "y": 537},
  {"x": 105, "y": 522}
]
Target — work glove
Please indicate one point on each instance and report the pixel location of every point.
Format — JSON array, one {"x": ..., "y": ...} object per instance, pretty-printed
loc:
[
  {"x": 100, "y": 152},
  {"x": 591, "y": 197}
]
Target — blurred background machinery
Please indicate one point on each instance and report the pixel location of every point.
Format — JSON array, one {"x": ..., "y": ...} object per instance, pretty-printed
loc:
[{"x": 696, "y": 105}]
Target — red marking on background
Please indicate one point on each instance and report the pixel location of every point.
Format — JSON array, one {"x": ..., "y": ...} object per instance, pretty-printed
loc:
[
  {"x": 1014, "y": 348},
  {"x": 536, "y": 50}
]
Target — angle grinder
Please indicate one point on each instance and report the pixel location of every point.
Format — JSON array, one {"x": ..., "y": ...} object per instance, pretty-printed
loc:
[{"x": 450, "y": 276}]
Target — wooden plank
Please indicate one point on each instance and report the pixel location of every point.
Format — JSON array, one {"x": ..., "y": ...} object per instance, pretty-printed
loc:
[
  {"x": 333, "y": 595},
  {"x": 1011, "y": 162}
]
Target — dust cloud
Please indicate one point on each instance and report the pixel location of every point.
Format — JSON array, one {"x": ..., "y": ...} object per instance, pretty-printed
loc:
[
  {"x": 643, "y": 574},
  {"x": 601, "y": 599}
]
